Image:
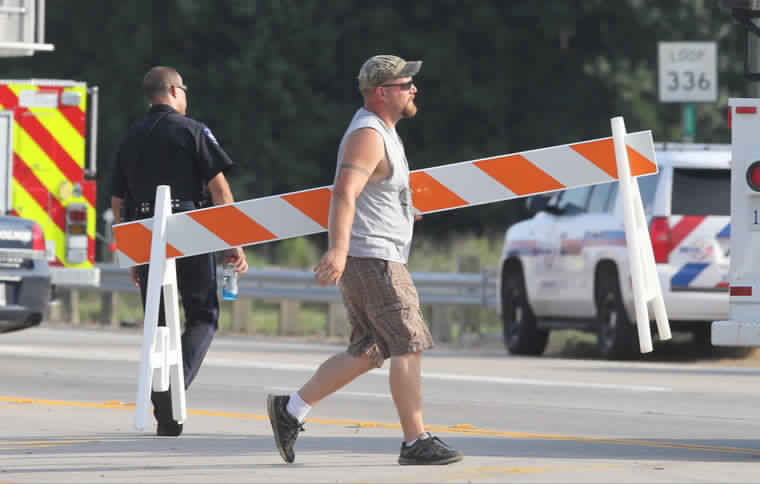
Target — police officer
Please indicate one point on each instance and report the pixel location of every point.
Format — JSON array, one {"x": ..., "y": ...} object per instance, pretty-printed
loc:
[{"x": 168, "y": 148}]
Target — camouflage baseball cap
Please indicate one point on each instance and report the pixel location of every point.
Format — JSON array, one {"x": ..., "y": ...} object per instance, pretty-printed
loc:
[{"x": 380, "y": 69}]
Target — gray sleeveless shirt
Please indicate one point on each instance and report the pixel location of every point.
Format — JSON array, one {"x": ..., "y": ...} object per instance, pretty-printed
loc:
[{"x": 383, "y": 220}]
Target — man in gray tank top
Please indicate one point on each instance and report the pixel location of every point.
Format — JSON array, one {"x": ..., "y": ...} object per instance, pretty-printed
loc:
[{"x": 370, "y": 232}]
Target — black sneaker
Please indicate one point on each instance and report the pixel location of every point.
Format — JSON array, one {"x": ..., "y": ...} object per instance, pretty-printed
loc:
[
  {"x": 162, "y": 410},
  {"x": 430, "y": 451},
  {"x": 169, "y": 428},
  {"x": 285, "y": 426}
]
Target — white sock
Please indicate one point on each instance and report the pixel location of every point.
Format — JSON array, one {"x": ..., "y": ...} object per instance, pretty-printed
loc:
[
  {"x": 422, "y": 436},
  {"x": 297, "y": 407}
]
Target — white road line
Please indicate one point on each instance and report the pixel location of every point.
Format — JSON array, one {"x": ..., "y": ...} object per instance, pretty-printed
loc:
[
  {"x": 133, "y": 356},
  {"x": 384, "y": 396}
]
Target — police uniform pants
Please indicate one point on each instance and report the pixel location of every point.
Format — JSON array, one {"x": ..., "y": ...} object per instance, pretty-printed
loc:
[{"x": 196, "y": 281}]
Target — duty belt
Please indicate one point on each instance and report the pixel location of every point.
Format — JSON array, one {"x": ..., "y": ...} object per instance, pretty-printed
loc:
[{"x": 144, "y": 209}]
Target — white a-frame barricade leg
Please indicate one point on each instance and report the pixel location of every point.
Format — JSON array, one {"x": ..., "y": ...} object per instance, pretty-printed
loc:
[
  {"x": 161, "y": 363},
  {"x": 743, "y": 326},
  {"x": 646, "y": 284}
]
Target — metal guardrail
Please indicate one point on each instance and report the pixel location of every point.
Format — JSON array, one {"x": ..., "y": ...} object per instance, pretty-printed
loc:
[{"x": 478, "y": 289}]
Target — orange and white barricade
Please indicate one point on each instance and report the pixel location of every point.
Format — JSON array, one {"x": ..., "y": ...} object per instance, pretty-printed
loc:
[{"x": 436, "y": 189}]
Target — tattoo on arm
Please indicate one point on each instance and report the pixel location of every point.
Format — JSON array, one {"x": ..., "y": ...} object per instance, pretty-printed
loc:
[{"x": 349, "y": 166}]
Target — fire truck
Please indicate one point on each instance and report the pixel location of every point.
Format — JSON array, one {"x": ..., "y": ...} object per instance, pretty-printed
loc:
[{"x": 48, "y": 133}]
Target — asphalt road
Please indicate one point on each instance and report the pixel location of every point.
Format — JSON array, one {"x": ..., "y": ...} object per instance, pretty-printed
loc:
[{"x": 67, "y": 415}]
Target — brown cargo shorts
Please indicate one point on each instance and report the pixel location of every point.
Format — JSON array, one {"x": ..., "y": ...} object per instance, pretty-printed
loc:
[{"x": 383, "y": 308}]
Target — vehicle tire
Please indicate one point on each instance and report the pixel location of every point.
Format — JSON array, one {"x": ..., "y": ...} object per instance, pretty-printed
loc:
[
  {"x": 521, "y": 336},
  {"x": 617, "y": 337},
  {"x": 702, "y": 336}
]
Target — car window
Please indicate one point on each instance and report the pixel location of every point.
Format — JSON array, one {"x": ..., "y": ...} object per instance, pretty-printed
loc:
[
  {"x": 647, "y": 189},
  {"x": 573, "y": 201},
  {"x": 701, "y": 192},
  {"x": 600, "y": 196}
]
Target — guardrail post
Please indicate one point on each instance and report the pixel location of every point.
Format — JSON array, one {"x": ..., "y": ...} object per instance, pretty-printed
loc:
[
  {"x": 109, "y": 309},
  {"x": 241, "y": 311},
  {"x": 109, "y": 300},
  {"x": 441, "y": 323},
  {"x": 337, "y": 320},
  {"x": 290, "y": 317},
  {"x": 470, "y": 322},
  {"x": 71, "y": 305}
]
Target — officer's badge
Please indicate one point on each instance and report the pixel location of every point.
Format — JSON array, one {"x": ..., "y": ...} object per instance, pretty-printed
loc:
[{"x": 210, "y": 135}]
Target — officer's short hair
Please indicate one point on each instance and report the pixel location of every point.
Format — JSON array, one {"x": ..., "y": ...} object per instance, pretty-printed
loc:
[{"x": 158, "y": 80}]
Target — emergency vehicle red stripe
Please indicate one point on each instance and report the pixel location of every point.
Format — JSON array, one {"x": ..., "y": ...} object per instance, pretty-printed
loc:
[
  {"x": 73, "y": 114},
  {"x": 57, "y": 261},
  {"x": 683, "y": 228},
  {"x": 43, "y": 138},
  {"x": 37, "y": 190},
  {"x": 50, "y": 145},
  {"x": 26, "y": 177}
]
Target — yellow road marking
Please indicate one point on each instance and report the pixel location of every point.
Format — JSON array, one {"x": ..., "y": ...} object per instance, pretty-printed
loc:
[
  {"x": 465, "y": 429},
  {"x": 493, "y": 471},
  {"x": 41, "y": 443}
]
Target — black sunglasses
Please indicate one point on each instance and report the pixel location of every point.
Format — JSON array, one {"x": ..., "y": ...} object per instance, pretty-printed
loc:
[{"x": 404, "y": 86}]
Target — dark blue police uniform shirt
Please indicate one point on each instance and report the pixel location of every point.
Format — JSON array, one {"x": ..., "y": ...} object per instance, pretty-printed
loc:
[{"x": 179, "y": 152}]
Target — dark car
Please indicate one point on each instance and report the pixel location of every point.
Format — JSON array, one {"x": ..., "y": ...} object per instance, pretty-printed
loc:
[{"x": 25, "y": 286}]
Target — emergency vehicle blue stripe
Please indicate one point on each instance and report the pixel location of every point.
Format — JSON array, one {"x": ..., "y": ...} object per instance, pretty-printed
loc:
[
  {"x": 687, "y": 274},
  {"x": 605, "y": 234},
  {"x": 726, "y": 232}
]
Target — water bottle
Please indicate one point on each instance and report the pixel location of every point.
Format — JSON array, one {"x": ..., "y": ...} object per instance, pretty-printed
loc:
[{"x": 229, "y": 283}]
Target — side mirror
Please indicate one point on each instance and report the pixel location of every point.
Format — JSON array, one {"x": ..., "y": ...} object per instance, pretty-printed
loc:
[
  {"x": 540, "y": 203},
  {"x": 537, "y": 203}
]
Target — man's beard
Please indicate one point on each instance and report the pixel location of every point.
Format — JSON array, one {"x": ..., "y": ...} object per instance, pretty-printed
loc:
[{"x": 409, "y": 110}]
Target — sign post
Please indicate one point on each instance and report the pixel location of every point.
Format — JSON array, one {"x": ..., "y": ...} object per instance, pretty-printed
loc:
[
  {"x": 689, "y": 122},
  {"x": 688, "y": 73}
]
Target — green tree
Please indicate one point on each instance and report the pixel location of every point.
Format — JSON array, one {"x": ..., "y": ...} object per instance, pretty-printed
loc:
[{"x": 275, "y": 80}]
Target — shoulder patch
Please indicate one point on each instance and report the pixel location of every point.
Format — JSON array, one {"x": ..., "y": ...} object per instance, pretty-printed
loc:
[{"x": 210, "y": 135}]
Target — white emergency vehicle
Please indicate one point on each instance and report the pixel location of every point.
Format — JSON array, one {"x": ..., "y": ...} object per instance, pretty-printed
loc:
[{"x": 567, "y": 266}]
